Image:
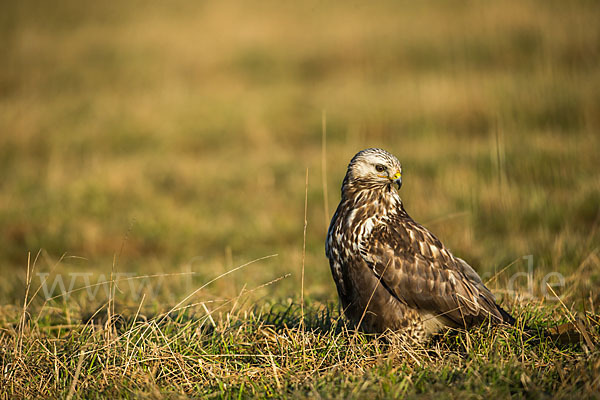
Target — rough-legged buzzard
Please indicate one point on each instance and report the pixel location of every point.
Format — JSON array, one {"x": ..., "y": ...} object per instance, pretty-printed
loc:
[{"x": 391, "y": 272}]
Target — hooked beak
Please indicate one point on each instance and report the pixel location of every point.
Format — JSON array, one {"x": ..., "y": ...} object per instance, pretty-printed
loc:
[{"x": 397, "y": 179}]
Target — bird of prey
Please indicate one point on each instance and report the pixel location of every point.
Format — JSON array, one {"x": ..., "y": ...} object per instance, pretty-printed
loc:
[{"x": 391, "y": 273}]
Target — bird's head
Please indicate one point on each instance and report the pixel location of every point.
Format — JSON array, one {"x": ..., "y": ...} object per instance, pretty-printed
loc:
[{"x": 374, "y": 168}]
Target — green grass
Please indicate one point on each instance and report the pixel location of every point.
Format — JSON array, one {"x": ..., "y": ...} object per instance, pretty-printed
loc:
[
  {"x": 170, "y": 142},
  {"x": 268, "y": 351}
]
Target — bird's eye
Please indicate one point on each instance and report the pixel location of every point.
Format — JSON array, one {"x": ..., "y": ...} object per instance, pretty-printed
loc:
[{"x": 380, "y": 168}]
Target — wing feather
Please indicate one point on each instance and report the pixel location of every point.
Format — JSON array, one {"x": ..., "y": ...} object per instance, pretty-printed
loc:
[{"x": 414, "y": 267}]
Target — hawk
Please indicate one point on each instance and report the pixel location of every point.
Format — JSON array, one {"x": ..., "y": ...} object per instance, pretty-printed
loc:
[{"x": 391, "y": 273}]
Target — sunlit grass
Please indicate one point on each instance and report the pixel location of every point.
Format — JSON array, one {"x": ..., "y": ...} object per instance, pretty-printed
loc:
[{"x": 174, "y": 138}]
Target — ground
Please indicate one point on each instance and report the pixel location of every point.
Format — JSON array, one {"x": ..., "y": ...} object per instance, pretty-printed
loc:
[{"x": 165, "y": 144}]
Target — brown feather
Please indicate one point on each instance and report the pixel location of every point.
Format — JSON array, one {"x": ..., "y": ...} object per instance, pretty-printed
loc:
[{"x": 391, "y": 272}]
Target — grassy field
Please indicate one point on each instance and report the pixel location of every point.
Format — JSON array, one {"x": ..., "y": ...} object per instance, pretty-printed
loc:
[{"x": 153, "y": 160}]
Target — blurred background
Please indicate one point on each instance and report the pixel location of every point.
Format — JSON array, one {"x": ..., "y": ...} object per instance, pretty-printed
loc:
[{"x": 175, "y": 136}]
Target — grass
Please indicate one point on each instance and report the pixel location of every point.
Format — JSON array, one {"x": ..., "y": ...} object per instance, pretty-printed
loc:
[
  {"x": 266, "y": 351},
  {"x": 166, "y": 144}
]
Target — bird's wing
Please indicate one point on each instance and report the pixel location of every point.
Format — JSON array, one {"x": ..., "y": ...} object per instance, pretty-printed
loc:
[{"x": 414, "y": 267}]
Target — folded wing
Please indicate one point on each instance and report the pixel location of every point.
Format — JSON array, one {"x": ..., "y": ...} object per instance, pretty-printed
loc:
[{"x": 419, "y": 271}]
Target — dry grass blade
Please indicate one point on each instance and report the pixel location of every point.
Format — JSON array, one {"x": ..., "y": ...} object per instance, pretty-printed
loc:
[
  {"x": 214, "y": 280},
  {"x": 324, "y": 166},
  {"x": 76, "y": 376}
]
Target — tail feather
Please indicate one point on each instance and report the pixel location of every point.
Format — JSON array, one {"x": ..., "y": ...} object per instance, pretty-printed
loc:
[
  {"x": 567, "y": 333},
  {"x": 571, "y": 332},
  {"x": 506, "y": 317}
]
